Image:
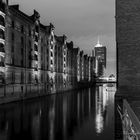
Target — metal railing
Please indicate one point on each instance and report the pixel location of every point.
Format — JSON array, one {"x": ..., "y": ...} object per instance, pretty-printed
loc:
[{"x": 130, "y": 122}]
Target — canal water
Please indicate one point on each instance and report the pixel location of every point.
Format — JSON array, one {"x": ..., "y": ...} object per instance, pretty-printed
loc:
[{"x": 86, "y": 114}]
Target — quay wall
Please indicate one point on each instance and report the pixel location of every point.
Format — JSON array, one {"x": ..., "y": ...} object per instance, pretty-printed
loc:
[{"x": 17, "y": 92}]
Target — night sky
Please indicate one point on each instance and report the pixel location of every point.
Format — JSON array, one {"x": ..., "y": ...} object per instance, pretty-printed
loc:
[{"x": 82, "y": 21}]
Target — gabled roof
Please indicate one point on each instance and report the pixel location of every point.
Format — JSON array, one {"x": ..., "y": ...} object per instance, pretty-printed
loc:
[{"x": 15, "y": 8}]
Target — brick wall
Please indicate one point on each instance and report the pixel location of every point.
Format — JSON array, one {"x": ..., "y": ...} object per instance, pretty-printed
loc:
[{"x": 128, "y": 42}]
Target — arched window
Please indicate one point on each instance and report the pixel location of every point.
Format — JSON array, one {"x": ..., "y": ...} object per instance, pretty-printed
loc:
[
  {"x": 2, "y": 48},
  {"x": 35, "y": 47},
  {"x": 2, "y": 22},
  {"x": 2, "y": 36}
]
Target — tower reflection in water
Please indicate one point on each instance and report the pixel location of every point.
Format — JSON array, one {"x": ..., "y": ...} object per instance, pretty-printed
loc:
[{"x": 73, "y": 115}]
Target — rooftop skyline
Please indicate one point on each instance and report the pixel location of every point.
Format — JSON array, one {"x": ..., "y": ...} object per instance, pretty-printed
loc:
[{"x": 81, "y": 21}]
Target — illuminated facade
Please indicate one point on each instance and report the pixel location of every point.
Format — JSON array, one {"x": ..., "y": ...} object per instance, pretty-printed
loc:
[
  {"x": 3, "y": 10},
  {"x": 99, "y": 53},
  {"x": 69, "y": 63},
  {"x": 33, "y": 59}
]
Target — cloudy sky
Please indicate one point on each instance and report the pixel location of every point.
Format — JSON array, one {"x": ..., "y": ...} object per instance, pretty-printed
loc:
[{"x": 81, "y": 20}]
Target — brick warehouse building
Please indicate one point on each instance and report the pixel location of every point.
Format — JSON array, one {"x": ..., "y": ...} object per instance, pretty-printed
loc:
[
  {"x": 128, "y": 44},
  {"x": 33, "y": 59}
]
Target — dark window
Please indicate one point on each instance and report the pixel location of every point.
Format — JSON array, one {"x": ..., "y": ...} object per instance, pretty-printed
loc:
[
  {"x": 29, "y": 31},
  {"x": 30, "y": 78},
  {"x": 13, "y": 24},
  {"x": 22, "y": 77},
  {"x": 42, "y": 65},
  {"x": 30, "y": 63},
  {"x": 2, "y": 63},
  {"x": 35, "y": 47},
  {"x": 2, "y": 35},
  {"x": 22, "y": 51},
  {"x": 51, "y": 62},
  {"x": 2, "y": 48},
  {"x": 12, "y": 60},
  {"x": 36, "y": 79},
  {"x": 2, "y": 22},
  {"x": 35, "y": 57},
  {"x": 22, "y": 41},
  {"x": 21, "y": 62},
  {"x": 37, "y": 29},
  {"x": 42, "y": 40},
  {"x": 51, "y": 46},
  {"x": 13, "y": 37},
  {"x": 13, "y": 77},
  {"x": 51, "y": 54},
  {"x": 36, "y": 38},
  {"x": 22, "y": 29}
]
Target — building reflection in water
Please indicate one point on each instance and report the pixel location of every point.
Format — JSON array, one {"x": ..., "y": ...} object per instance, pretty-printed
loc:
[
  {"x": 101, "y": 104},
  {"x": 64, "y": 116}
]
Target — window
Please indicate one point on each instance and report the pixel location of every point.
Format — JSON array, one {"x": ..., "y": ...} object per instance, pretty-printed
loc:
[
  {"x": 30, "y": 44},
  {"x": 2, "y": 47},
  {"x": 13, "y": 37},
  {"x": 22, "y": 77},
  {"x": 22, "y": 41},
  {"x": 35, "y": 57},
  {"x": 51, "y": 62},
  {"x": 51, "y": 54},
  {"x": 22, "y": 63},
  {"x": 30, "y": 78},
  {"x": 13, "y": 24},
  {"x": 12, "y": 60},
  {"x": 29, "y": 31},
  {"x": 37, "y": 29},
  {"x": 22, "y": 51},
  {"x": 13, "y": 77},
  {"x": 36, "y": 79},
  {"x": 35, "y": 47},
  {"x": 52, "y": 47},
  {"x": 22, "y": 29},
  {"x": 30, "y": 63},
  {"x": 2, "y": 22},
  {"x": 36, "y": 38}
]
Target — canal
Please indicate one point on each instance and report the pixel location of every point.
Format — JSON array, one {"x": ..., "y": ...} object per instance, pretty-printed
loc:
[{"x": 75, "y": 115}]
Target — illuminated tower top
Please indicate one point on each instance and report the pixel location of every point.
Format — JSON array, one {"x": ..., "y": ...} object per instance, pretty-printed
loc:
[{"x": 98, "y": 43}]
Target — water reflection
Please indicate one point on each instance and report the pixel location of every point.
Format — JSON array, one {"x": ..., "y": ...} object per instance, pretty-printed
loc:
[
  {"x": 100, "y": 107},
  {"x": 84, "y": 114}
]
